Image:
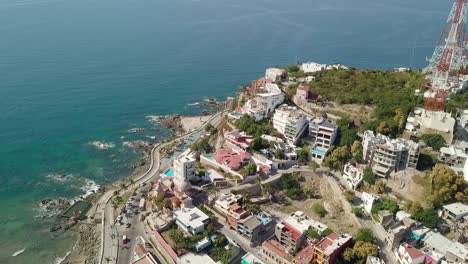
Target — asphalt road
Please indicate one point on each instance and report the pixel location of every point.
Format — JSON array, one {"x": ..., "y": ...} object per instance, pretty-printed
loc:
[{"x": 113, "y": 249}]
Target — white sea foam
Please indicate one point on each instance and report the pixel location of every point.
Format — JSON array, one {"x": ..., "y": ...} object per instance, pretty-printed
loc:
[
  {"x": 135, "y": 130},
  {"x": 196, "y": 103},
  {"x": 59, "y": 260},
  {"x": 59, "y": 177},
  {"x": 90, "y": 187},
  {"x": 102, "y": 145},
  {"x": 151, "y": 137}
]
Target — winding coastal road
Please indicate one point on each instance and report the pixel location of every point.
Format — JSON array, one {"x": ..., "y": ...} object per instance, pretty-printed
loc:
[{"x": 109, "y": 252}]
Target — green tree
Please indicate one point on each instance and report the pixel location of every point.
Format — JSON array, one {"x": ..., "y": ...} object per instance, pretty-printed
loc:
[
  {"x": 365, "y": 235},
  {"x": 279, "y": 154},
  {"x": 380, "y": 186},
  {"x": 428, "y": 217},
  {"x": 356, "y": 151},
  {"x": 347, "y": 134},
  {"x": 360, "y": 251},
  {"x": 178, "y": 237},
  {"x": 258, "y": 144},
  {"x": 250, "y": 169},
  {"x": 386, "y": 204},
  {"x": 337, "y": 158},
  {"x": 447, "y": 186},
  {"x": 349, "y": 195},
  {"x": 358, "y": 211},
  {"x": 435, "y": 141},
  {"x": 290, "y": 183},
  {"x": 320, "y": 210},
  {"x": 303, "y": 154},
  {"x": 202, "y": 146},
  {"x": 368, "y": 176}
]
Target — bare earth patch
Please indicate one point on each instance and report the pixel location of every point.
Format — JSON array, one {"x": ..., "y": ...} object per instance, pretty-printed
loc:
[
  {"x": 338, "y": 218},
  {"x": 410, "y": 185}
]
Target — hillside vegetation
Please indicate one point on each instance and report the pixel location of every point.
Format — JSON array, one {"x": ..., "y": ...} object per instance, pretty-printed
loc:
[{"x": 392, "y": 93}]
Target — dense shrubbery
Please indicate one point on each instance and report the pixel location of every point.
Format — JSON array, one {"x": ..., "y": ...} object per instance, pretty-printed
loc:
[
  {"x": 202, "y": 146},
  {"x": 428, "y": 217},
  {"x": 457, "y": 102},
  {"x": 447, "y": 186},
  {"x": 254, "y": 128},
  {"x": 386, "y": 204},
  {"x": 290, "y": 183},
  {"x": 391, "y": 92},
  {"x": 435, "y": 141}
]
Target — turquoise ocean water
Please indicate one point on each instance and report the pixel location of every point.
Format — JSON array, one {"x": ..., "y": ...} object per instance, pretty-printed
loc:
[{"x": 76, "y": 71}]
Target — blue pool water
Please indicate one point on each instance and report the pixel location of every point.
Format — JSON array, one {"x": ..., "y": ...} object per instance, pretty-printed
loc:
[
  {"x": 169, "y": 172},
  {"x": 318, "y": 151},
  {"x": 73, "y": 71}
]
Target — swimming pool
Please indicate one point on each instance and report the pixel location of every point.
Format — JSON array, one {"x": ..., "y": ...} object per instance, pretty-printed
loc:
[
  {"x": 169, "y": 172},
  {"x": 319, "y": 151}
]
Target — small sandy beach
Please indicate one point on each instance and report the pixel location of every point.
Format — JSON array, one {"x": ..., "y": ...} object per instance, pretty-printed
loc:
[{"x": 190, "y": 123}]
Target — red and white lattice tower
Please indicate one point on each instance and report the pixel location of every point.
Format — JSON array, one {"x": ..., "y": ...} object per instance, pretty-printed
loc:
[
  {"x": 450, "y": 53},
  {"x": 436, "y": 101}
]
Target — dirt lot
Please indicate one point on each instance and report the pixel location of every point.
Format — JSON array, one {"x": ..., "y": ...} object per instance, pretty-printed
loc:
[
  {"x": 358, "y": 113},
  {"x": 410, "y": 185},
  {"x": 339, "y": 218}
]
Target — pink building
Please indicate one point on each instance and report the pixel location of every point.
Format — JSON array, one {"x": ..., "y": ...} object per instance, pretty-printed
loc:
[
  {"x": 330, "y": 248},
  {"x": 233, "y": 160},
  {"x": 302, "y": 92},
  {"x": 238, "y": 140},
  {"x": 407, "y": 254},
  {"x": 257, "y": 84}
]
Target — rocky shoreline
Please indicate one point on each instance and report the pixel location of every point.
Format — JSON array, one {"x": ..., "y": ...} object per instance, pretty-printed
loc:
[
  {"x": 86, "y": 250},
  {"x": 87, "y": 247}
]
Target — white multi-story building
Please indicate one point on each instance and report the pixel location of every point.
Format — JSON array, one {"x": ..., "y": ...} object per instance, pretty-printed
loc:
[
  {"x": 185, "y": 168},
  {"x": 422, "y": 121},
  {"x": 386, "y": 155},
  {"x": 368, "y": 200},
  {"x": 407, "y": 254},
  {"x": 323, "y": 133},
  {"x": 192, "y": 220},
  {"x": 301, "y": 222},
  {"x": 265, "y": 102},
  {"x": 275, "y": 74},
  {"x": 353, "y": 175},
  {"x": 290, "y": 122},
  {"x": 456, "y": 158}
]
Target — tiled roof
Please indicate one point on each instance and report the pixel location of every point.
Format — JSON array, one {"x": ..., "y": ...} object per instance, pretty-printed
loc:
[
  {"x": 294, "y": 233},
  {"x": 413, "y": 252},
  {"x": 275, "y": 247}
]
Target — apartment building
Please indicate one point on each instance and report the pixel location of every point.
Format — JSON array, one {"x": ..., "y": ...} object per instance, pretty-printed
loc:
[
  {"x": 330, "y": 248},
  {"x": 238, "y": 140},
  {"x": 235, "y": 214},
  {"x": 323, "y": 133},
  {"x": 264, "y": 102},
  {"x": 421, "y": 121},
  {"x": 291, "y": 232},
  {"x": 456, "y": 214},
  {"x": 456, "y": 157},
  {"x": 291, "y": 122},
  {"x": 250, "y": 227},
  {"x": 353, "y": 175},
  {"x": 407, "y": 254},
  {"x": 185, "y": 168},
  {"x": 275, "y": 74},
  {"x": 192, "y": 220},
  {"x": 386, "y": 155}
]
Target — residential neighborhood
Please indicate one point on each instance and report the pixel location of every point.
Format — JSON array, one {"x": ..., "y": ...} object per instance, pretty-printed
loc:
[{"x": 268, "y": 184}]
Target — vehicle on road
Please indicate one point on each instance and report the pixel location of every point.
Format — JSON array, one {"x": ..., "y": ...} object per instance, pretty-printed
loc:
[
  {"x": 128, "y": 225},
  {"x": 125, "y": 239}
]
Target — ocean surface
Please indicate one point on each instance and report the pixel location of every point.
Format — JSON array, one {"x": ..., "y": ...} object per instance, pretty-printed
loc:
[{"x": 72, "y": 72}]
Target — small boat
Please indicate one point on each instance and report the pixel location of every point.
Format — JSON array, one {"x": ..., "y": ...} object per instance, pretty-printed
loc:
[{"x": 19, "y": 252}]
